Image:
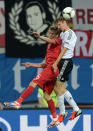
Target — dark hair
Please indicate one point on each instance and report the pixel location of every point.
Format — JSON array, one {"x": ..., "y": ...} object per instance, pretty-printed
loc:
[
  {"x": 59, "y": 19},
  {"x": 35, "y": 3},
  {"x": 54, "y": 29},
  {"x": 62, "y": 20}
]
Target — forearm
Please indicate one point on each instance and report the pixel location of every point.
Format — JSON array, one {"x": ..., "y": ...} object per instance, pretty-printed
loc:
[
  {"x": 43, "y": 65},
  {"x": 38, "y": 65},
  {"x": 48, "y": 40},
  {"x": 61, "y": 55}
]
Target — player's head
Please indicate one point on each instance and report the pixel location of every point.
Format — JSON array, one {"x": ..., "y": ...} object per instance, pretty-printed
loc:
[
  {"x": 53, "y": 32},
  {"x": 62, "y": 24},
  {"x": 34, "y": 15}
]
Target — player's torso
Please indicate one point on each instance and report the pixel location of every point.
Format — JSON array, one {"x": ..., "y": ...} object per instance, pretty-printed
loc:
[
  {"x": 69, "y": 39},
  {"x": 52, "y": 52}
]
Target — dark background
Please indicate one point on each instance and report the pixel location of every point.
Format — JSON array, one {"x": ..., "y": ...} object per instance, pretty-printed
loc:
[{"x": 14, "y": 48}]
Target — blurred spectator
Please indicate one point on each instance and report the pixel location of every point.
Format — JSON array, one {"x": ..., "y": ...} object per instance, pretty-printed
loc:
[{"x": 43, "y": 102}]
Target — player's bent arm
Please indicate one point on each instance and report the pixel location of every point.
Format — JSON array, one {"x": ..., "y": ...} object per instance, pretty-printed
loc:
[
  {"x": 61, "y": 55},
  {"x": 48, "y": 40},
  {"x": 59, "y": 58},
  {"x": 38, "y": 65}
]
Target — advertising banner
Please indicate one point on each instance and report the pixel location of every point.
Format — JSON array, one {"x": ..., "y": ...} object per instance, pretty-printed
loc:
[
  {"x": 84, "y": 14},
  {"x": 37, "y": 120},
  {"x": 15, "y": 78},
  {"x": 84, "y": 45}
]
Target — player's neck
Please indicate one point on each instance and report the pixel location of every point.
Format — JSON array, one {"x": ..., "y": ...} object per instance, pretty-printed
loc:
[{"x": 67, "y": 28}]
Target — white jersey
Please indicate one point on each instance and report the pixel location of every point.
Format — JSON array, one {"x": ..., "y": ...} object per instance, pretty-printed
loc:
[{"x": 69, "y": 40}]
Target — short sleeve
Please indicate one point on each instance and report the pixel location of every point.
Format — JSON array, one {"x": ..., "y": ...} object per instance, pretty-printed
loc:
[
  {"x": 69, "y": 38},
  {"x": 58, "y": 41}
]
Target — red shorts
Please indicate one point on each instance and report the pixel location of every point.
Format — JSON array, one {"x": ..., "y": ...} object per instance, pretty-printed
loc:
[{"x": 46, "y": 79}]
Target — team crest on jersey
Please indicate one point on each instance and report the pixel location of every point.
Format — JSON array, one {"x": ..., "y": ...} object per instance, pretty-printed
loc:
[{"x": 35, "y": 20}]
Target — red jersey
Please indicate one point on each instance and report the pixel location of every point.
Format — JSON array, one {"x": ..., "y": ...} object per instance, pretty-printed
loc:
[{"x": 53, "y": 51}]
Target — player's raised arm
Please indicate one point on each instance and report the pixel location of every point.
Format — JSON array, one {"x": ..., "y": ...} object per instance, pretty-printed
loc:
[
  {"x": 53, "y": 32},
  {"x": 48, "y": 40}
]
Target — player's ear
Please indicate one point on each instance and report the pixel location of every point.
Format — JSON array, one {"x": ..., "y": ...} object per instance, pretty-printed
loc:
[{"x": 44, "y": 15}]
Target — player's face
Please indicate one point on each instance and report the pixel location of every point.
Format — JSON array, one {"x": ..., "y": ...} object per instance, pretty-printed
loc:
[
  {"x": 51, "y": 34},
  {"x": 61, "y": 25},
  {"x": 34, "y": 17}
]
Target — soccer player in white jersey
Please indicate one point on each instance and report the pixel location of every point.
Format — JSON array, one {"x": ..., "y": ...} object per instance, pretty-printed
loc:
[{"x": 65, "y": 65}]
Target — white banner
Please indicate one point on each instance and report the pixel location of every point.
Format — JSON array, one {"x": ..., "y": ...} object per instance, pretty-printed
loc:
[
  {"x": 84, "y": 14},
  {"x": 84, "y": 45}
]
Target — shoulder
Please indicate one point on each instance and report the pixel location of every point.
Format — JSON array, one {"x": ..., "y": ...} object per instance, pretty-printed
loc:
[
  {"x": 70, "y": 34},
  {"x": 73, "y": 34},
  {"x": 61, "y": 34},
  {"x": 58, "y": 40}
]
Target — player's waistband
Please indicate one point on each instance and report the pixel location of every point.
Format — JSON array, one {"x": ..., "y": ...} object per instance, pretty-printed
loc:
[{"x": 66, "y": 59}]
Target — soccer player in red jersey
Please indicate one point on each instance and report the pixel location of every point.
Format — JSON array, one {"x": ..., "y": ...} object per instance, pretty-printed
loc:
[{"x": 46, "y": 78}]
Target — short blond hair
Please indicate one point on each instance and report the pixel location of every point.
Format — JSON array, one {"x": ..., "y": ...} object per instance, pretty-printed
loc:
[{"x": 54, "y": 29}]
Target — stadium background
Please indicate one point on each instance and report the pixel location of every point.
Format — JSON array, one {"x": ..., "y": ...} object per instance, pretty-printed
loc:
[{"x": 14, "y": 78}]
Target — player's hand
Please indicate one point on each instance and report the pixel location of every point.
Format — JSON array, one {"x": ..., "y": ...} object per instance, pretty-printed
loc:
[
  {"x": 36, "y": 34},
  {"x": 54, "y": 67},
  {"x": 27, "y": 64}
]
